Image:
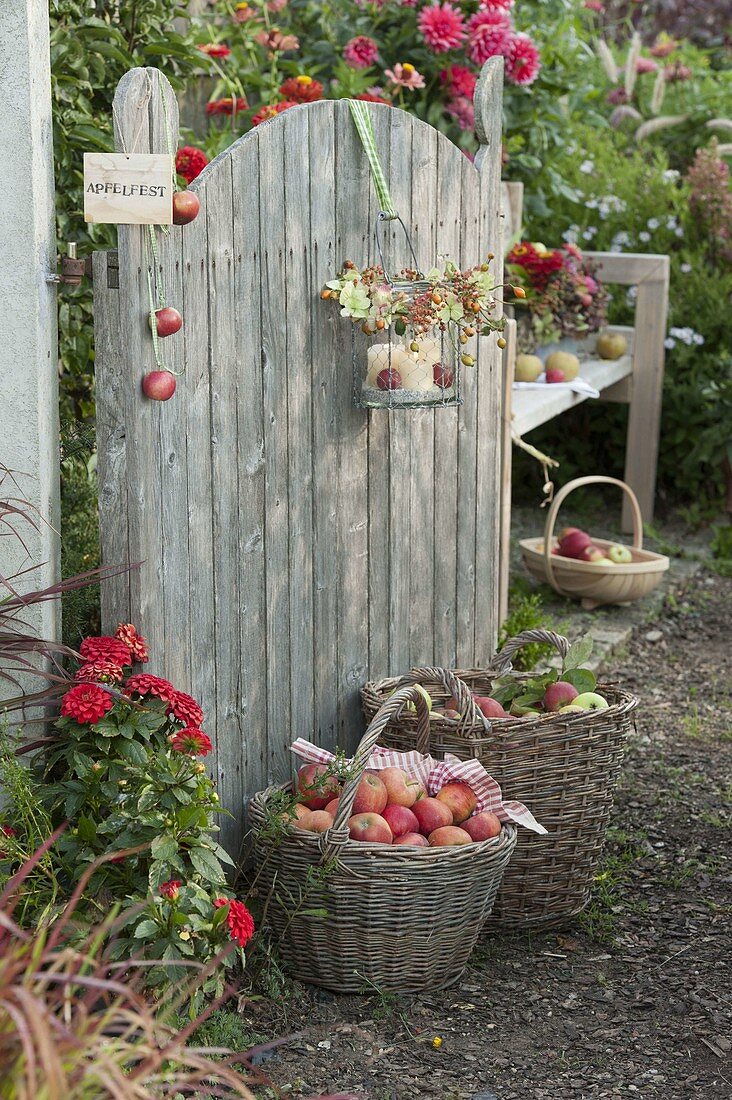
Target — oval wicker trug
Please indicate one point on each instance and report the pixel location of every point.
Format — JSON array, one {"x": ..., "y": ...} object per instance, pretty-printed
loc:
[
  {"x": 399, "y": 918},
  {"x": 563, "y": 767}
]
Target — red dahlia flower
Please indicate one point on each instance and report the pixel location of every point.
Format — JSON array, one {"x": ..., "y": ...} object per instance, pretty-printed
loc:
[
  {"x": 302, "y": 89},
  {"x": 522, "y": 60},
  {"x": 227, "y": 105},
  {"x": 215, "y": 49},
  {"x": 170, "y": 889},
  {"x": 190, "y": 162},
  {"x": 106, "y": 648},
  {"x": 9, "y": 831},
  {"x": 270, "y": 110},
  {"x": 104, "y": 671},
  {"x": 86, "y": 704},
  {"x": 489, "y": 34},
  {"x": 369, "y": 97},
  {"x": 360, "y": 52},
  {"x": 442, "y": 27},
  {"x": 240, "y": 921},
  {"x": 185, "y": 709},
  {"x": 191, "y": 741},
  {"x": 135, "y": 642},
  {"x": 144, "y": 684}
]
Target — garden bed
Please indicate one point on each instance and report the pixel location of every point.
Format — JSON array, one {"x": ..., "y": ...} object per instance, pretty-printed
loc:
[{"x": 631, "y": 999}]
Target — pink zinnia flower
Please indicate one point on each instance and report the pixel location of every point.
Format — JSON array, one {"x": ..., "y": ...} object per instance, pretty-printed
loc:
[
  {"x": 461, "y": 109},
  {"x": 442, "y": 27},
  {"x": 664, "y": 47},
  {"x": 86, "y": 704},
  {"x": 459, "y": 81},
  {"x": 135, "y": 642},
  {"x": 144, "y": 684},
  {"x": 595, "y": 5},
  {"x": 646, "y": 65},
  {"x": 490, "y": 35},
  {"x": 496, "y": 5},
  {"x": 215, "y": 49},
  {"x": 270, "y": 110},
  {"x": 360, "y": 52},
  {"x": 617, "y": 95},
  {"x": 191, "y": 741},
  {"x": 522, "y": 60},
  {"x": 106, "y": 648},
  {"x": 405, "y": 76}
]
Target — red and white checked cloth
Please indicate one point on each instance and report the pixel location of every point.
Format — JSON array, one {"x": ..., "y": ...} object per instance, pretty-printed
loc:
[{"x": 433, "y": 775}]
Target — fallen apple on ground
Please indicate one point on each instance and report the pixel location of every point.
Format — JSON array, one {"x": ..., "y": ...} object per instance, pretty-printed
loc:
[
  {"x": 371, "y": 828},
  {"x": 460, "y": 800}
]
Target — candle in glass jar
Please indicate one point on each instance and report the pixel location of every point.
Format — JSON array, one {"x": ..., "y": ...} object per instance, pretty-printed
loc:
[{"x": 377, "y": 359}]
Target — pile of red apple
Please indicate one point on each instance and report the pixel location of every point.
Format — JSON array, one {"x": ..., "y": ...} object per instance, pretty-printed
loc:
[
  {"x": 392, "y": 808},
  {"x": 576, "y": 543}
]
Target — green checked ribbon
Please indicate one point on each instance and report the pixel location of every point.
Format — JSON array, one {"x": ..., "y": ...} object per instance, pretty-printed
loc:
[{"x": 364, "y": 126}]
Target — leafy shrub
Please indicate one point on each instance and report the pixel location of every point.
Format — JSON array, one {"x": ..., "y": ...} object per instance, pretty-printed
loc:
[
  {"x": 525, "y": 612},
  {"x": 80, "y": 609}
]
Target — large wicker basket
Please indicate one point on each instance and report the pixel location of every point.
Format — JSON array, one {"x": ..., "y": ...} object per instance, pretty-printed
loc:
[
  {"x": 595, "y": 583},
  {"x": 563, "y": 767},
  {"x": 398, "y": 918}
]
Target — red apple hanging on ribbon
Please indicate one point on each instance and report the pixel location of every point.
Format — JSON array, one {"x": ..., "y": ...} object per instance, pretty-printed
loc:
[
  {"x": 159, "y": 385},
  {"x": 185, "y": 207},
  {"x": 167, "y": 321}
]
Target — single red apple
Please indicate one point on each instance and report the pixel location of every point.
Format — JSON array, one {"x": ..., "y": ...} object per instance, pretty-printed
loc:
[
  {"x": 559, "y": 694},
  {"x": 414, "y": 840},
  {"x": 371, "y": 796},
  {"x": 592, "y": 553},
  {"x": 431, "y": 815},
  {"x": 389, "y": 379},
  {"x": 443, "y": 376},
  {"x": 573, "y": 543},
  {"x": 555, "y": 375},
  {"x": 460, "y": 800},
  {"x": 491, "y": 708},
  {"x": 449, "y": 836},
  {"x": 482, "y": 826},
  {"x": 295, "y": 813},
  {"x": 332, "y": 806},
  {"x": 369, "y": 827},
  {"x": 400, "y": 789},
  {"x": 185, "y": 207},
  {"x": 314, "y": 821},
  {"x": 167, "y": 321},
  {"x": 400, "y": 820},
  {"x": 158, "y": 385},
  {"x": 316, "y": 786}
]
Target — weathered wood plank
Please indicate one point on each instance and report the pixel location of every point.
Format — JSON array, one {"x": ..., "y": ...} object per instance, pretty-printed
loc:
[
  {"x": 113, "y": 381},
  {"x": 326, "y": 348},
  {"x": 273, "y": 244},
  {"x": 449, "y": 207}
]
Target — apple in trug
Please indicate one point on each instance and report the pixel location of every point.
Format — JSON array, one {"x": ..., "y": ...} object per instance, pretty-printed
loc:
[
  {"x": 520, "y": 711},
  {"x": 491, "y": 708},
  {"x": 431, "y": 814},
  {"x": 442, "y": 376},
  {"x": 459, "y": 798},
  {"x": 159, "y": 385},
  {"x": 389, "y": 379},
  {"x": 452, "y": 714},
  {"x": 592, "y": 553},
  {"x": 590, "y": 700},
  {"x": 400, "y": 789},
  {"x": 564, "y": 361},
  {"x": 573, "y": 543},
  {"x": 369, "y": 827},
  {"x": 482, "y": 826},
  {"x": 559, "y": 695},
  {"x": 621, "y": 555},
  {"x": 449, "y": 836},
  {"x": 371, "y": 796},
  {"x": 400, "y": 820},
  {"x": 167, "y": 321},
  {"x": 555, "y": 375},
  {"x": 414, "y": 840},
  {"x": 571, "y": 709},
  {"x": 611, "y": 345},
  {"x": 185, "y": 207},
  {"x": 316, "y": 786},
  {"x": 527, "y": 368},
  {"x": 314, "y": 821}
]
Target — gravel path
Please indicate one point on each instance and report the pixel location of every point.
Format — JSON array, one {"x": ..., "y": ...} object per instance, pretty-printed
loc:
[{"x": 634, "y": 999}]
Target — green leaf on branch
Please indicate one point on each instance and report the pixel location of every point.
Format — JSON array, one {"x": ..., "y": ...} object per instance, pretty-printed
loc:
[
  {"x": 580, "y": 678},
  {"x": 164, "y": 847},
  {"x": 579, "y": 653},
  {"x": 207, "y": 865},
  {"x": 145, "y": 929}
]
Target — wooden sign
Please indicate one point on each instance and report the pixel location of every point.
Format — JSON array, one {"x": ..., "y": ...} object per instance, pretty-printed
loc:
[{"x": 128, "y": 190}]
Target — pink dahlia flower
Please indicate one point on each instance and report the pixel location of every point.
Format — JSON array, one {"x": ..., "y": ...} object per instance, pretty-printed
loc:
[
  {"x": 459, "y": 81},
  {"x": 595, "y": 5},
  {"x": 496, "y": 5},
  {"x": 646, "y": 65},
  {"x": 442, "y": 27},
  {"x": 461, "y": 109},
  {"x": 405, "y": 76},
  {"x": 489, "y": 35},
  {"x": 522, "y": 60},
  {"x": 360, "y": 52}
]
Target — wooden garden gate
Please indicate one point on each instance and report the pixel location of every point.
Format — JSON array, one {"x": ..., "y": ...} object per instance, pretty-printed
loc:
[{"x": 293, "y": 545}]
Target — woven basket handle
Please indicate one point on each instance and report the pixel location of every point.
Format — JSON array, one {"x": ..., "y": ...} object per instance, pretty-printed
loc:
[
  {"x": 471, "y": 715},
  {"x": 335, "y": 837},
  {"x": 501, "y": 663},
  {"x": 593, "y": 479}
]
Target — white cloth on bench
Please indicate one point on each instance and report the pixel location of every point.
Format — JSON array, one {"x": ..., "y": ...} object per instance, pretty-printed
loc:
[{"x": 578, "y": 385}]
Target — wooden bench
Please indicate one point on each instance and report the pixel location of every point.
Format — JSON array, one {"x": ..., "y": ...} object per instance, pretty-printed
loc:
[{"x": 635, "y": 379}]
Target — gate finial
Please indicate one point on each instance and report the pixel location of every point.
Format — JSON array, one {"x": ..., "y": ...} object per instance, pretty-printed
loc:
[
  {"x": 145, "y": 113},
  {"x": 488, "y": 112}
]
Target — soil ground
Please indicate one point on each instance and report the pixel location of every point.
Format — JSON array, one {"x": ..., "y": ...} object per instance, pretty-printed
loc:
[{"x": 634, "y": 998}]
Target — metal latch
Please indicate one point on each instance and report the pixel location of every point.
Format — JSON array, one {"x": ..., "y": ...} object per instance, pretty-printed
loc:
[{"x": 73, "y": 269}]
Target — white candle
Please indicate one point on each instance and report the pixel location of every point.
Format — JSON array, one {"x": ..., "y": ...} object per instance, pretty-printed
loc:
[{"x": 377, "y": 359}]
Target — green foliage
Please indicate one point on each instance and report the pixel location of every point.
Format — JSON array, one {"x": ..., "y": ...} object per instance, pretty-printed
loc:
[
  {"x": 79, "y": 532},
  {"x": 526, "y": 612},
  {"x": 529, "y": 693},
  {"x": 92, "y": 47}
]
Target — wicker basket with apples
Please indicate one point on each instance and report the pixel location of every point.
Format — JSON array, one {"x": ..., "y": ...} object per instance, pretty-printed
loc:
[
  {"x": 369, "y": 881},
  {"x": 554, "y": 740},
  {"x": 594, "y": 570}
]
